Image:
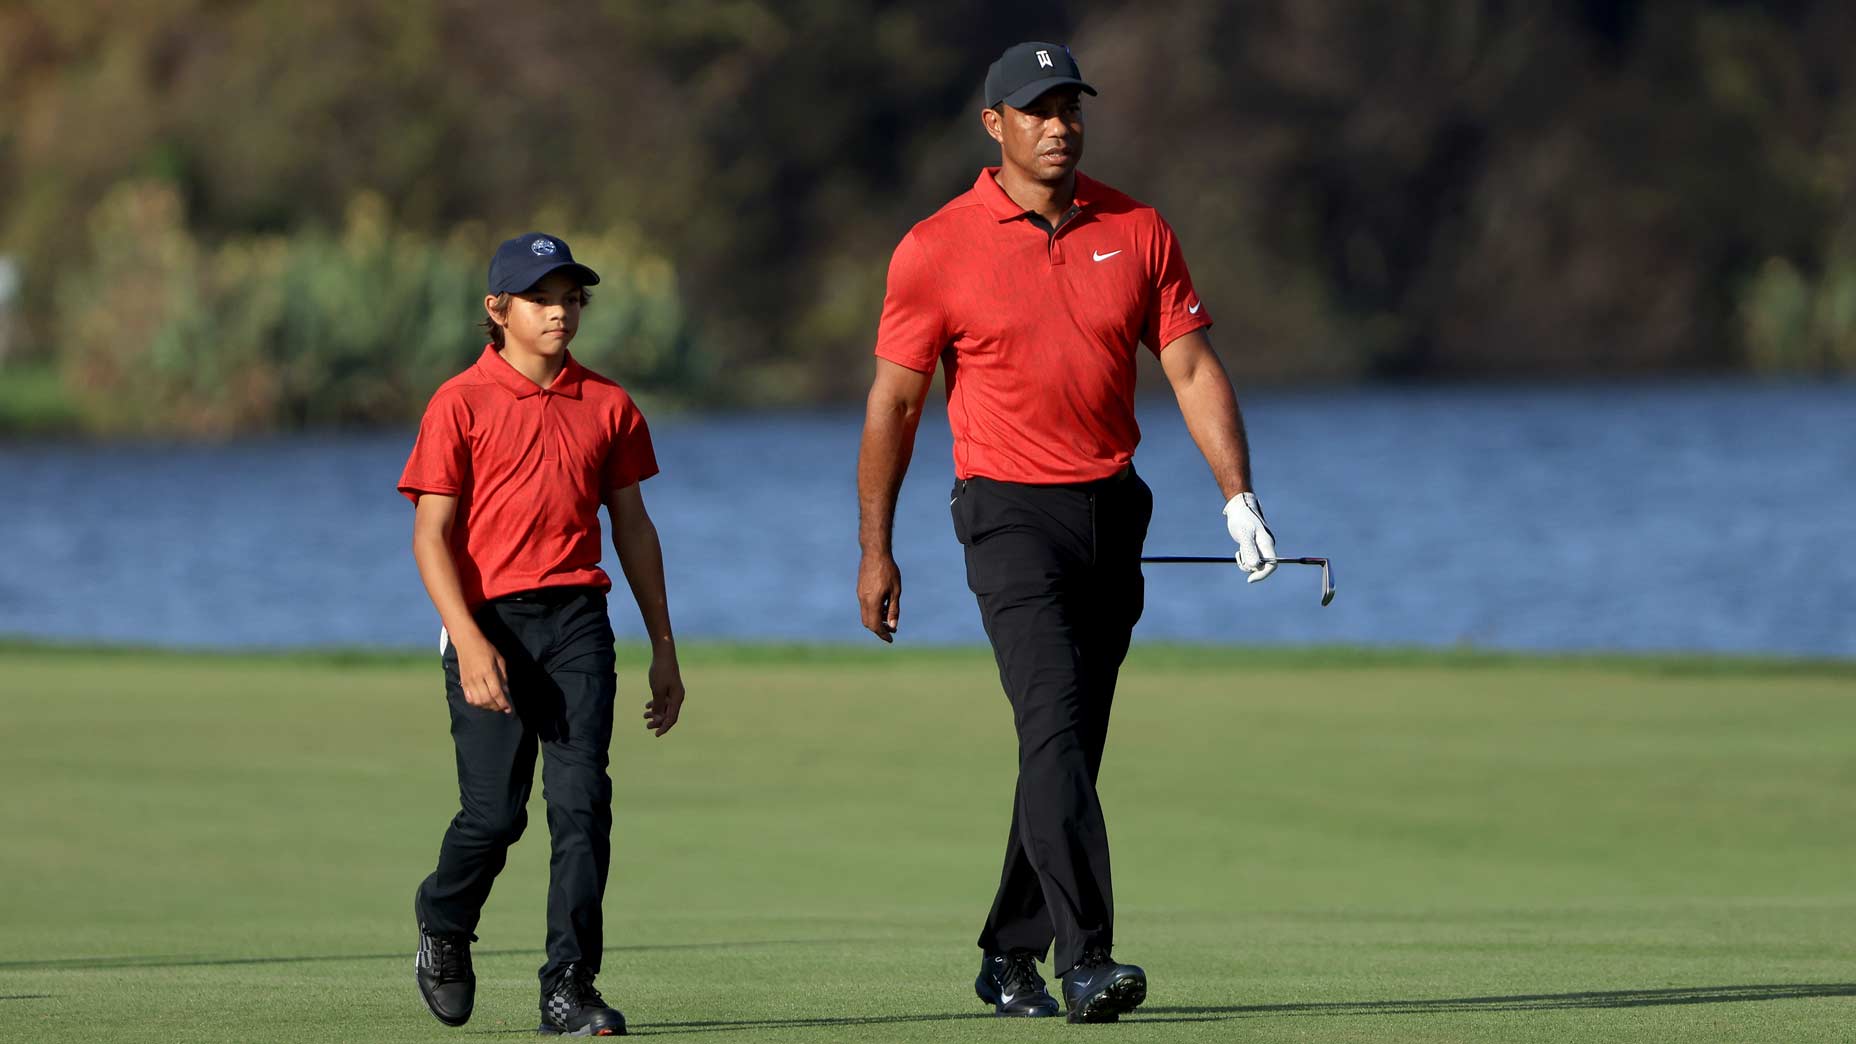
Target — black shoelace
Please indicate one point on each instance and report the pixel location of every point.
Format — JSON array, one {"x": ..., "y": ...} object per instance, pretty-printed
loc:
[
  {"x": 1021, "y": 974},
  {"x": 1095, "y": 956},
  {"x": 577, "y": 984},
  {"x": 451, "y": 953}
]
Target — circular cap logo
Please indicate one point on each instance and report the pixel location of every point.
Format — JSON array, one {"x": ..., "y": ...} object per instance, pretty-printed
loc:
[{"x": 542, "y": 247}]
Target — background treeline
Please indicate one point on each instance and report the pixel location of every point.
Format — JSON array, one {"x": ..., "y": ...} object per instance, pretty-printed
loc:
[{"x": 224, "y": 216}]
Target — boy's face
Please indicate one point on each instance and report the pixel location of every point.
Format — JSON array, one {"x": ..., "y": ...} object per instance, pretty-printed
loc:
[{"x": 543, "y": 318}]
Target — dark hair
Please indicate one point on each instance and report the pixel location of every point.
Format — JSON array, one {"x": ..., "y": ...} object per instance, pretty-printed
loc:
[{"x": 501, "y": 307}]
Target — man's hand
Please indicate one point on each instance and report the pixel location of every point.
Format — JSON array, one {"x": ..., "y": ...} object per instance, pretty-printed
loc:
[
  {"x": 483, "y": 674},
  {"x": 1243, "y": 517},
  {"x": 666, "y": 681},
  {"x": 879, "y": 594}
]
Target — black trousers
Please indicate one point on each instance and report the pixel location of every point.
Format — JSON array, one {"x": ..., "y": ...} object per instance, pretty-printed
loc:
[
  {"x": 557, "y": 647},
  {"x": 1057, "y": 573}
]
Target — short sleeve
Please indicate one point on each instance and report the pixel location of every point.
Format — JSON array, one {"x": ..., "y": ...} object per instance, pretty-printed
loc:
[
  {"x": 913, "y": 330},
  {"x": 630, "y": 460},
  {"x": 440, "y": 461},
  {"x": 1174, "y": 309}
]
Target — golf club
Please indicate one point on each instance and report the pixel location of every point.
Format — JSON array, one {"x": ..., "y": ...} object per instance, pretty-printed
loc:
[{"x": 1327, "y": 571}]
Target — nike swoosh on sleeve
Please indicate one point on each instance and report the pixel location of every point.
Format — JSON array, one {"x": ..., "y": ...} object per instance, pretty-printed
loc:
[{"x": 1193, "y": 309}]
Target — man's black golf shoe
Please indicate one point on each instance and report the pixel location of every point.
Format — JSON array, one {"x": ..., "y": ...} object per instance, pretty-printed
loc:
[
  {"x": 1099, "y": 990},
  {"x": 445, "y": 977},
  {"x": 571, "y": 1007},
  {"x": 1011, "y": 984}
]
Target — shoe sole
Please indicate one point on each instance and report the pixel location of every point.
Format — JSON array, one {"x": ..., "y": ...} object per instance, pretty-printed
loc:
[
  {"x": 603, "y": 1031},
  {"x": 1034, "y": 1013},
  {"x": 1117, "y": 999}
]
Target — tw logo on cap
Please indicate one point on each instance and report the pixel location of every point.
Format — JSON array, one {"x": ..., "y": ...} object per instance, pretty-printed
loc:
[
  {"x": 1044, "y": 61},
  {"x": 542, "y": 247}
]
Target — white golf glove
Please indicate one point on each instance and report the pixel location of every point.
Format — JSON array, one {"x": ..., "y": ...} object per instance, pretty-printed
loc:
[{"x": 1243, "y": 516}]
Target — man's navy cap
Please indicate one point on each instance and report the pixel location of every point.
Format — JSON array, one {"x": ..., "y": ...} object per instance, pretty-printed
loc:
[
  {"x": 522, "y": 262},
  {"x": 1027, "y": 70}
]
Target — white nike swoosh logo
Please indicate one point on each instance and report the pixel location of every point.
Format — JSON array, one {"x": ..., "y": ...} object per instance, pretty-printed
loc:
[
  {"x": 1104, "y": 257},
  {"x": 1193, "y": 309},
  {"x": 1007, "y": 998}
]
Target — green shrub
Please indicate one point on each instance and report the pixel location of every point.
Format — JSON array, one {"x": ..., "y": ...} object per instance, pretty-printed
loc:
[
  {"x": 1795, "y": 323},
  {"x": 161, "y": 333}
]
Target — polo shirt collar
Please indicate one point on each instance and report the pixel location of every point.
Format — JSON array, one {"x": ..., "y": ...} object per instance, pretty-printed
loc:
[
  {"x": 495, "y": 367},
  {"x": 1004, "y": 209}
]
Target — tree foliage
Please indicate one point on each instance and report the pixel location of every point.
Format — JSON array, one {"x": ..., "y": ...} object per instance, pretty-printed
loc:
[{"x": 1364, "y": 187}]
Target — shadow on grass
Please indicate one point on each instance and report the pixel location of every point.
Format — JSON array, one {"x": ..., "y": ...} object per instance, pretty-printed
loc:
[
  {"x": 1518, "y": 1002},
  {"x": 665, "y": 1029},
  {"x": 1443, "y": 1005},
  {"x": 24, "y": 996},
  {"x": 200, "y": 961}
]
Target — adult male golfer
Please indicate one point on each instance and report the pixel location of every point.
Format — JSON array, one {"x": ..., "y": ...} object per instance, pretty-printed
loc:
[{"x": 1034, "y": 288}]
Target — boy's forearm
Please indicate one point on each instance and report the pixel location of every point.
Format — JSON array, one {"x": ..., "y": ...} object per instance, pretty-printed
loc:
[
  {"x": 440, "y": 575},
  {"x": 641, "y": 557}
]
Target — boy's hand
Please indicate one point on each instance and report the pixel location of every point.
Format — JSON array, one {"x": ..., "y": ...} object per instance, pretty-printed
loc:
[
  {"x": 666, "y": 682},
  {"x": 481, "y": 670}
]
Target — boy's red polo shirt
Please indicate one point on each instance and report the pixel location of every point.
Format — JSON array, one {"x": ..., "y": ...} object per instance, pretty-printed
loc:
[
  {"x": 1038, "y": 332},
  {"x": 530, "y": 467}
]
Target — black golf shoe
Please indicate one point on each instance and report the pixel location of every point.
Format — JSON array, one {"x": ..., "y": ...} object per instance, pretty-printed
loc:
[
  {"x": 1099, "y": 990},
  {"x": 1011, "y": 984},
  {"x": 445, "y": 977},
  {"x": 571, "y": 1007}
]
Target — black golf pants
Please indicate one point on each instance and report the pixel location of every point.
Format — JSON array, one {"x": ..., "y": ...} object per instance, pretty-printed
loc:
[
  {"x": 557, "y": 648},
  {"x": 1057, "y": 573}
]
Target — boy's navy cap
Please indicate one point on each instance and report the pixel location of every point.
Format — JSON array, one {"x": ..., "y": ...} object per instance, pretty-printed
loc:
[
  {"x": 1027, "y": 70},
  {"x": 522, "y": 262}
]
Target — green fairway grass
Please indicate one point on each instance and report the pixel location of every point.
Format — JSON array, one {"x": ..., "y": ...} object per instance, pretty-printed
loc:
[{"x": 1309, "y": 846}]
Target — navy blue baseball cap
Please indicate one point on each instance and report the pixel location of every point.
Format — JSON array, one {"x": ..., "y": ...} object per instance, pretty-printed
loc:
[
  {"x": 522, "y": 262},
  {"x": 1027, "y": 70}
]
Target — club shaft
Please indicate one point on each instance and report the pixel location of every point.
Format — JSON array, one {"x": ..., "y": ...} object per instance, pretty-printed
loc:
[{"x": 1220, "y": 560}]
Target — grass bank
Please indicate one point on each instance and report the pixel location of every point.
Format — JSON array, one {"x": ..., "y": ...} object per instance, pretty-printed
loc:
[{"x": 1310, "y": 845}]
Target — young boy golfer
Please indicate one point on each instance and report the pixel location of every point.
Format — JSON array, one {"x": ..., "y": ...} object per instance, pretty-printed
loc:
[{"x": 514, "y": 457}]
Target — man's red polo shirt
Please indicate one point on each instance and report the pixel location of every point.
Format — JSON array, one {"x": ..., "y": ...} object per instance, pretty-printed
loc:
[
  {"x": 530, "y": 467},
  {"x": 1038, "y": 331}
]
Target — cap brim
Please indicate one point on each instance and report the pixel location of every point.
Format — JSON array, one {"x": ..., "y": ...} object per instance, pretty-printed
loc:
[
  {"x": 1036, "y": 89},
  {"x": 528, "y": 277}
]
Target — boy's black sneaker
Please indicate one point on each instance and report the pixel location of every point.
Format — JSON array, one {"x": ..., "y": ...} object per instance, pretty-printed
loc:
[
  {"x": 1011, "y": 984},
  {"x": 1099, "y": 990},
  {"x": 446, "y": 980},
  {"x": 573, "y": 1008}
]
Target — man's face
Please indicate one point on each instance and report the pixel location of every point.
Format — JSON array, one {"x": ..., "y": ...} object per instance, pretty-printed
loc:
[
  {"x": 1044, "y": 140},
  {"x": 543, "y": 318}
]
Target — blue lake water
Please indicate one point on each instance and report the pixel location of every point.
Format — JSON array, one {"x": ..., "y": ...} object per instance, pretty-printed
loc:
[{"x": 1690, "y": 516}]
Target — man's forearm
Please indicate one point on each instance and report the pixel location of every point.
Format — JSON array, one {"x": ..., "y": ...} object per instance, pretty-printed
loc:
[
  {"x": 882, "y": 460},
  {"x": 641, "y": 558},
  {"x": 1212, "y": 415}
]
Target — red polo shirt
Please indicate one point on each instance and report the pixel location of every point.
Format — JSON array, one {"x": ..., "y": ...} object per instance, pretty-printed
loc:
[
  {"x": 530, "y": 467},
  {"x": 1038, "y": 331}
]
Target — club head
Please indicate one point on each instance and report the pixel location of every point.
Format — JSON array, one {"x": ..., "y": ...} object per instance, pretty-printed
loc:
[{"x": 1327, "y": 573}]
